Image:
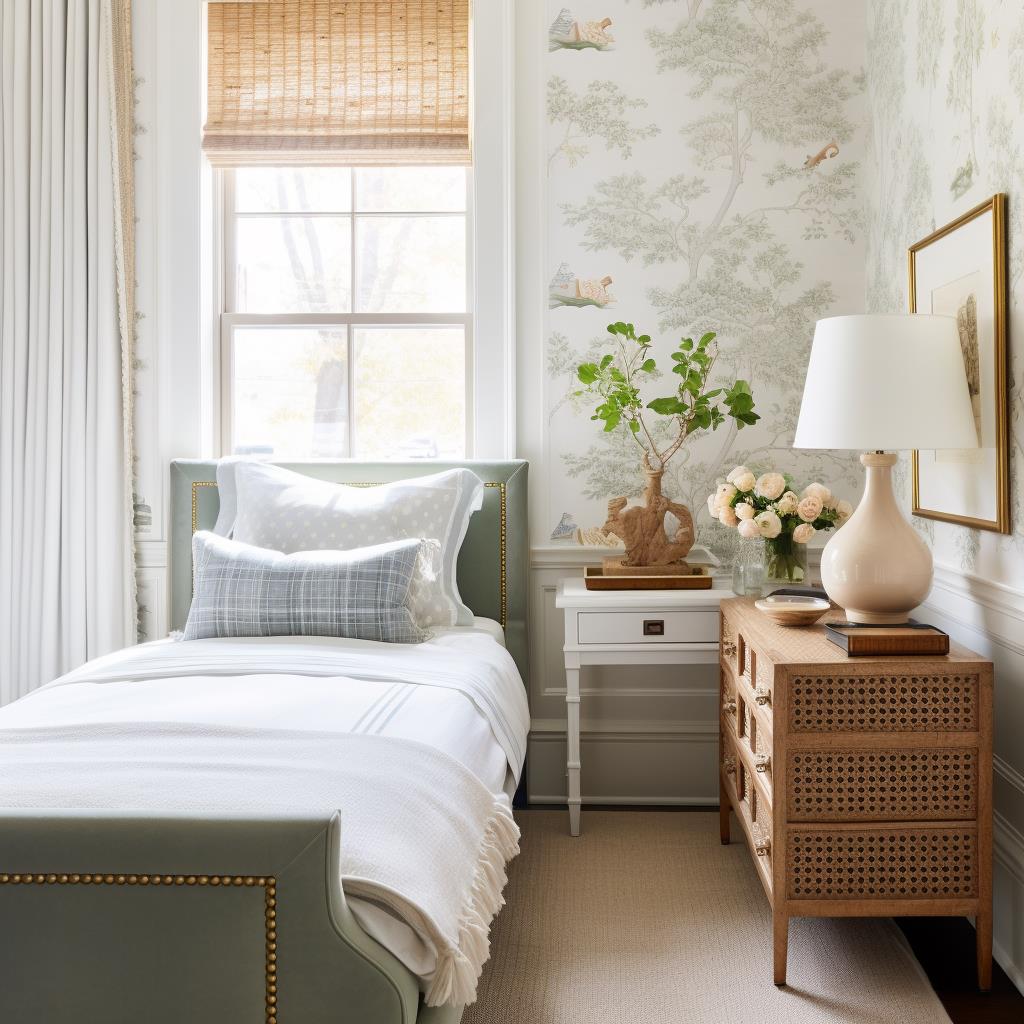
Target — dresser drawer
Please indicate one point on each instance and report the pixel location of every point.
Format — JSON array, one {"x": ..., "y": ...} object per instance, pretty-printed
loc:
[
  {"x": 901, "y": 700},
  {"x": 884, "y": 862},
  {"x": 647, "y": 627},
  {"x": 882, "y": 784}
]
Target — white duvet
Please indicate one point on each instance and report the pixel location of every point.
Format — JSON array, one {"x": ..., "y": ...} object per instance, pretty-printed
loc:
[{"x": 124, "y": 731}]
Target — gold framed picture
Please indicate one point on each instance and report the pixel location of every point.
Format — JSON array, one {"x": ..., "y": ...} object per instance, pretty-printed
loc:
[{"x": 960, "y": 271}]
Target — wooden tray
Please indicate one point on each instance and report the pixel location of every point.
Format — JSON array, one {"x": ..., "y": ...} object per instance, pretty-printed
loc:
[{"x": 595, "y": 579}]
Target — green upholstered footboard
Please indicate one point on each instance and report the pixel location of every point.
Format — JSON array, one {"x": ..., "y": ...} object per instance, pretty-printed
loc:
[{"x": 115, "y": 919}]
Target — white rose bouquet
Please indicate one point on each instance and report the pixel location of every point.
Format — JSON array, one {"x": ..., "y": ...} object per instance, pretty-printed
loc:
[{"x": 769, "y": 507}]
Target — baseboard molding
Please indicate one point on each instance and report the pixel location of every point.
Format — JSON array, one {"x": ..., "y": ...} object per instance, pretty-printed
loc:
[
  {"x": 1008, "y": 848},
  {"x": 635, "y": 692},
  {"x": 548, "y": 730},
  {"x": 631, "y": 801},
  {"x": 1008, "y": 858},
  {"x": 1008, "y": 773}
]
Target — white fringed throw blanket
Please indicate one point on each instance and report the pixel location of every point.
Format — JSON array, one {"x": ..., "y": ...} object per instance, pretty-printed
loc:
[{"x": 421, "y": 834}]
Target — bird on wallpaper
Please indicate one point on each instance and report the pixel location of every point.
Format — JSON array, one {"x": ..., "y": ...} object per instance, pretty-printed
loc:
[{"x": 825, "y": 153}]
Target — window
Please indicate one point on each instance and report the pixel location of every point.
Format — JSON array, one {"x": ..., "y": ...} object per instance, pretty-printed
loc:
[{"x": 347, "y": 325}]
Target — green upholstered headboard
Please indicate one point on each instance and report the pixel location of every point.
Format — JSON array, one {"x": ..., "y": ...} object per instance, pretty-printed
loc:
[{"x": 493, "y": 562}]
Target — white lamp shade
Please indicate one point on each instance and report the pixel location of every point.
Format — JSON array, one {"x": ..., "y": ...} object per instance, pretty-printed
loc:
[{"x": 886, "y": 382}]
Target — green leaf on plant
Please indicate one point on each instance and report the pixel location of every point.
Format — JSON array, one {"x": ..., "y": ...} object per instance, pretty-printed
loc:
[{"x": 666, "y": 406}]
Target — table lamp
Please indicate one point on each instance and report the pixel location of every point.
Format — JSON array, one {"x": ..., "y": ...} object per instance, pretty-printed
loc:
[{"x": 878, "y": 383}]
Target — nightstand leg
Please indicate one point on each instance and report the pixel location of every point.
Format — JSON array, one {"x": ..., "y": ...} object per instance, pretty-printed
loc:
[
  {"x": 723, "y": 812},
  {"x": 572, "y": 745},
  {"x": 983, "y": 938},
  {"x": 780, "y": 930}
]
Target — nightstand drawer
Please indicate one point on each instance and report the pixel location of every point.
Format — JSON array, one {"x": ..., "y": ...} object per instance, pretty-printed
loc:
[{"x": 647, "y": 627}]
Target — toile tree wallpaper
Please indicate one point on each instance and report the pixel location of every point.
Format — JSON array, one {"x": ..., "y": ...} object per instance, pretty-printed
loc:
[
  {"x": 705, "y": 159},
  {"x": 946, "y": 133}
]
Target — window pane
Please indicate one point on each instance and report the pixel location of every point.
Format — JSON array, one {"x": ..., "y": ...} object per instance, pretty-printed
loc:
[
  {"x": 410, "y": 393},
  {"x": 294, "y": 189},
  {"x": 293, "y": 265},
  {"x": 411, "y": 189},
  {"x": 291, "y": 392},
  {"x": 411, "y": 264}
]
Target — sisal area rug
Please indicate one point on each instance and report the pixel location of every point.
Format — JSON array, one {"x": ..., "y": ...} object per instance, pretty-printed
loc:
[{"x": 647, "y": 918}]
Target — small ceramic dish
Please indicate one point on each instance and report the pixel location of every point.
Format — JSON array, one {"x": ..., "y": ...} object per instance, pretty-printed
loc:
[{"x": 793, "y": 611}]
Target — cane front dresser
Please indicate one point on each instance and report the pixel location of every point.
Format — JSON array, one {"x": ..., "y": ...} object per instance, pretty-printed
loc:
[{"x": 863, "y": 786}]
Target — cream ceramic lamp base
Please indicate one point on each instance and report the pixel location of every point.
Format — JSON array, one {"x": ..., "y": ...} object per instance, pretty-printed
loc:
[{"x": 876, "y": 566}]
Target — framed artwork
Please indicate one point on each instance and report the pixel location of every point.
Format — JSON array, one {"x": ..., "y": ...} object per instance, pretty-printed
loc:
[{"x": 960, "y": 271}]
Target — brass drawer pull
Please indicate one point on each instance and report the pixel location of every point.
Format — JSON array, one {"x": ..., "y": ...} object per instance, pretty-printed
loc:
[
  {"x": 762, "y": 846},
  {"x": 729, "y": 707},
  {"x": 729, "y": 763},
  {"x": 728, "y": 648},
  {"x": 763, "y": 695},
  {"x": 762, "y": 762}
]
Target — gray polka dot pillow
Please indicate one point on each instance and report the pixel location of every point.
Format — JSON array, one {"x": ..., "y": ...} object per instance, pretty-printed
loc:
[{"x": 286, "y": 511}]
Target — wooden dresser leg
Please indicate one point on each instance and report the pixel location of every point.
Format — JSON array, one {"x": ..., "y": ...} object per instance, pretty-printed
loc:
[
  {"x": 983, "y": 940},
  {"x": 723, "y": 812},
  {"x": 780, "y": 930}
]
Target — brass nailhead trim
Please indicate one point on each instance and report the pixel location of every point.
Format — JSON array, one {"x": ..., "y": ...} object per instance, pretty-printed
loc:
[
  {"x": 503, "y": 519},
  {"x": 196, "y": 484},
  {"x": 268, "y": 883},
  {"x": 502, "y": 516}
]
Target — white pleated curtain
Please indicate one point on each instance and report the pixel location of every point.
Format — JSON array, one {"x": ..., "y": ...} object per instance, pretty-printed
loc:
[{"x": 66, "y": 312}]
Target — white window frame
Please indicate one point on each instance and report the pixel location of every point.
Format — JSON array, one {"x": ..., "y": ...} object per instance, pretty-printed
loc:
[
  {"x": 490, "y": 320},
  {"x": 231, "y": 319}
]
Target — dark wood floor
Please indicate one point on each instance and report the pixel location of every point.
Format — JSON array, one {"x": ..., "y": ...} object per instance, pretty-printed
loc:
[{"x": 945, "y": 948}]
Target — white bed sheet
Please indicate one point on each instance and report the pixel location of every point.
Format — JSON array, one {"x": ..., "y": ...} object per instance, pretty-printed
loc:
[{"x": 444, "y": 718}]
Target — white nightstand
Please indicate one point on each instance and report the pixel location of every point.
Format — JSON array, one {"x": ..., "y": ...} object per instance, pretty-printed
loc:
[{"x": 630, "y": 627}]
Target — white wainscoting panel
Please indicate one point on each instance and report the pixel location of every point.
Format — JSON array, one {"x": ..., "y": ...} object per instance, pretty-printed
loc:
[{"x": 989, "y": 618}]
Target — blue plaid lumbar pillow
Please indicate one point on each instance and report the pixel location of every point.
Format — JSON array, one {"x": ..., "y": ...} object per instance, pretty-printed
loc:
[{"x": 363, "y": 593}]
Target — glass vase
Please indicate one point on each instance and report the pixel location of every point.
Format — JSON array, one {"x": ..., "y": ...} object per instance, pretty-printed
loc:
[
  {"x": 785, "y": 560},
  {"x": 748, "y": 568}
]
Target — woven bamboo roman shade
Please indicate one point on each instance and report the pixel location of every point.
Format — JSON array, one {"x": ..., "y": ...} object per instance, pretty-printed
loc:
[{"x": 338, "y": 82}]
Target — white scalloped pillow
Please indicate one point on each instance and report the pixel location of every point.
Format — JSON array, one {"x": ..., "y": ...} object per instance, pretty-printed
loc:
[{"x": 276, "y": 508}]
